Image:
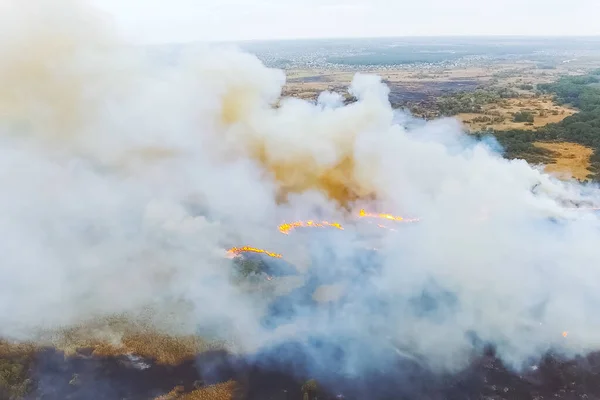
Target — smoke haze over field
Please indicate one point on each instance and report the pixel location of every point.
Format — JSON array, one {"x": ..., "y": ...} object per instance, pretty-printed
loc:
[{"x": 103, "y": 150}]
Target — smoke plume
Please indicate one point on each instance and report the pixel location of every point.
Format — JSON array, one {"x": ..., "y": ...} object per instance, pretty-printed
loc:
[{"x": 127, "y": 175}]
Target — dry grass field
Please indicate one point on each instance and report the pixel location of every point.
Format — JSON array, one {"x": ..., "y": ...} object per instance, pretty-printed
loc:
[
  {"x": 308, "y": 83},
  {"x": 543, "y": 109},
  {"x": 170, "y": 351},
  {"x": 223, "y": 391},
  {"x": 120, "y": 336},
  {"x": 570, "y": 159}
]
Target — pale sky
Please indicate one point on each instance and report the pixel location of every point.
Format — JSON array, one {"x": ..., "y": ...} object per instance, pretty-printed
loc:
[{"x": 159, "y": 21}]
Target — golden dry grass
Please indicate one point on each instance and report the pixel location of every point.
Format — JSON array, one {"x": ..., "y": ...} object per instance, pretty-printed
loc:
[
  {"x": 9, "y": 350},
  {"x": 344, "y": 76},
  {"x": 160, "y": 347},
  {"x": 15, "y": 362},
  {"x": 503, "y": 73},
  {"x": 570, "y": 159},
  {"x": 222, "y": 391},
  {"x": 301, "y": 82},
  {"x": 119, "y": 336},
  {"x": 551, "y": 113}
]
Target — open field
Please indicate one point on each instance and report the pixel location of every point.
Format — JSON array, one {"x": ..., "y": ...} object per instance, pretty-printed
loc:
[
  {"x": 405, "y": 85},
  {"x": 223, "y": 391},
  {"x": 121, "y": 335},
  {"x": 416, "y": 84},
  {"x": 485, "y": 96},
  {"x": 569, "y": 159},
  {"x": 419, "y": 91},
  {"x": 543, "y": 109}
]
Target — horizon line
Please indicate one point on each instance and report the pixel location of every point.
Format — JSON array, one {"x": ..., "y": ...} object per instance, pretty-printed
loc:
[{"x": 349, "y": 38}]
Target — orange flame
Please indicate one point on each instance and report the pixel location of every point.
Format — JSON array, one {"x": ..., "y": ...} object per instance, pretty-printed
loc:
[
  {"x": 565, "y": 334},
  {"x": 285, "y": 228},
  {"x": 236, "y": 251},
  {"x": 390, "y": 217}
]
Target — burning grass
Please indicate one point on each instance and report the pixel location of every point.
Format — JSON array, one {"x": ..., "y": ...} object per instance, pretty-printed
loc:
[
  {"x": 287, "y": 227},
  {"x": 236, "y": 251}
]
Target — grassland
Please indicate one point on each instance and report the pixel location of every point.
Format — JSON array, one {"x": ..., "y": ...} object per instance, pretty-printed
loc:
[
  {"x": 581, "y": 128},
  {"x": 171, "y": 359},
  {"x": 97, "y": 343},
  {"x": 120, "y": 335},
  {"x": 486, "y": 98},
  {"x": 15, "y": 361},
  {"x": 567, "y": 159},
  {"x": 223, "y": 391},
  {"x": 499, "y": 116},
  {"x": 424, "y": 84}
]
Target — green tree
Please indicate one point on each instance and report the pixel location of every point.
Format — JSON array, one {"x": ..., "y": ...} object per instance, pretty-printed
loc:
[{"x": 523, "y": 116}]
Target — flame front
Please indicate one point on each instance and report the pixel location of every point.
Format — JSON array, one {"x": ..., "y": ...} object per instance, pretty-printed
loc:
[
  {"x": 236, "y": 251},
  {"x": 389, "y": 217},
  {"x": 285, "y": 228}
]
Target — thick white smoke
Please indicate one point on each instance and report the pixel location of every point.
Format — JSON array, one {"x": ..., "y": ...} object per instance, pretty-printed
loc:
[{"x": 106, "y": 152}]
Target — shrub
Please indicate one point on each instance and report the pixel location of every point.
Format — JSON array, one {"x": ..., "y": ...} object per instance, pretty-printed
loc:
[{"x": 523, "y": 116}]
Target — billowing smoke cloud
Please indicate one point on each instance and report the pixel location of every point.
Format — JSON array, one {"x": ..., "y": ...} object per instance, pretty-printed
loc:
[{"x": 127, "y": 176}]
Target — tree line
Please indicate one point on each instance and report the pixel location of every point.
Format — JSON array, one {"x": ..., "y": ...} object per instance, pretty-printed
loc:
[{"x": 583, "y": 127}]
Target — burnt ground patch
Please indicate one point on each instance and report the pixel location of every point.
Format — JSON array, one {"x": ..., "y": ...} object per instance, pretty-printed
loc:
[
  {"x": 486, "y": 378},
  {"x": 283, "y": 373},
  {"x": 84, "y": 376},
  {"x": 402, "y": 94},
  {"x": 310, "y": 79}
]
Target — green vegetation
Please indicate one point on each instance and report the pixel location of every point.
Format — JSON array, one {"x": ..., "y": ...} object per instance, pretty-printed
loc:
[
  {"x": 582, "y": 128},
  {"x": 519, "y": 144},
  {"x": 14, "y": 383},
  {"x": 484, "y": 119},
  {"x": 250, "y": 267},
  {"x": 575, "y": 91},
  {"x": 465, "y": 102},
  {"x": 472, "y": 102},
  {"x": 526, "y": 86},
  {"x": 523, "y": 116}
]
